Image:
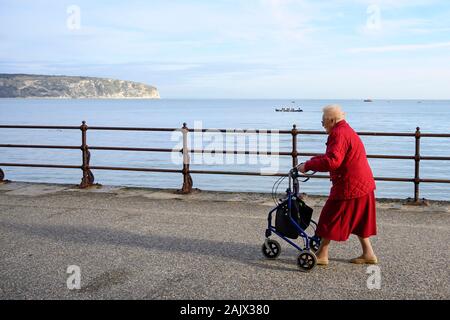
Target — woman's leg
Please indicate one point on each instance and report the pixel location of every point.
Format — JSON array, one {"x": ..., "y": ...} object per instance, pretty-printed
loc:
[
  {"x": 322, "y": 253},
  {"x": 366, "y": 248},
  {"x": 368, "y": 255}
]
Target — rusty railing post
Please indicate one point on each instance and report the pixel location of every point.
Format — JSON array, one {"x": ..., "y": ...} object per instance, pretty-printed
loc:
[
  {"x": 294, "y": 146},
  {"x": 417, "y": 166},
  {"x": 187, "y": 179},
  {"x": 88, "y": 177},
  {"x": 416, "y": 200}
]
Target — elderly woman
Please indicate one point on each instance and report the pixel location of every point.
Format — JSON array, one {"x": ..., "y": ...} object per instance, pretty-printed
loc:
[{"x": 350, "y": 208}]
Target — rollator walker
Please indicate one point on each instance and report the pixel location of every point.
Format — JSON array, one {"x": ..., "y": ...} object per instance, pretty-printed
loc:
[{"x": 292, "y": 218}]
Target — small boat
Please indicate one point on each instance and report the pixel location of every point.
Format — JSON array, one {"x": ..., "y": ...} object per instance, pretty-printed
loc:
[
  {"x": 368, "y": 100},
  {"x": 288, "y": 110}
]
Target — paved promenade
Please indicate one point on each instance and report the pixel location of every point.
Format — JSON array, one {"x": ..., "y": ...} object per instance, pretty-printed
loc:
[{"x": 136, "y": 243}]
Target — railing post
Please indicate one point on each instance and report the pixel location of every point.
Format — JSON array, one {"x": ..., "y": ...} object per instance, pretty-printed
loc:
[
  {"x": 88, "y": 177},
  {"x": 294, "y": 146},
  {"x": 417, "y": 166},
  {"x": 187, "y": 179},
  {"x": 417, "y": 200}
]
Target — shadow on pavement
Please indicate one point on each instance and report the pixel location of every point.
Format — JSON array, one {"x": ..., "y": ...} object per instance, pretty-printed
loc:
[{"x": 241, "y": 252}]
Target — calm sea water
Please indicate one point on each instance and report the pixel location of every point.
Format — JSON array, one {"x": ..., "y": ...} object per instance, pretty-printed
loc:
[{"x": 382, "y": 116}]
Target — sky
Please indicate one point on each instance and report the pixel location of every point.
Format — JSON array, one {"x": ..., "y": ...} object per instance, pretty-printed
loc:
[{"x": 310, "y": 49}]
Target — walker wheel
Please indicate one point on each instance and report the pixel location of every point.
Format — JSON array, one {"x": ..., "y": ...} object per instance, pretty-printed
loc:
[
  {"x": 314, "y": 243},
  {"x": 306, "y": 260},
  {"x": 271, "y": 249}
]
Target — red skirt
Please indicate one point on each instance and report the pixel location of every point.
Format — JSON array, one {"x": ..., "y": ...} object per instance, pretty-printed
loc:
[{"x": 340, "y": 218}]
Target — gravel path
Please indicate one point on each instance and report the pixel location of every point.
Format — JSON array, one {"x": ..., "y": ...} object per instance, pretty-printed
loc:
[{"x": 133, "y": 243}]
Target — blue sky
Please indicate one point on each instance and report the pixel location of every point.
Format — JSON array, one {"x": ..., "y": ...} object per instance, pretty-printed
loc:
[{"x": 389, "y": 49}]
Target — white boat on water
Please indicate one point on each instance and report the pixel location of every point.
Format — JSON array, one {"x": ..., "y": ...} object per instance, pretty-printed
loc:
[{"x": 288, "y": 110}]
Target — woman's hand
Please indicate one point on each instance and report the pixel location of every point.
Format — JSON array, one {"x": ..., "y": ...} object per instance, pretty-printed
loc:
[{"x": 301, "y": 167}]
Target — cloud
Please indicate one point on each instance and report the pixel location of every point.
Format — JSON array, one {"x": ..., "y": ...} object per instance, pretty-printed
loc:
[
  {"x": 295, "y": 19},
  {"x": 398, "y": 4},
  {"x": 402, "y": 47}
]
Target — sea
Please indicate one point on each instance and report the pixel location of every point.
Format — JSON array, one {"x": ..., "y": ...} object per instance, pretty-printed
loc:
[{"x": 432, "y": 116}]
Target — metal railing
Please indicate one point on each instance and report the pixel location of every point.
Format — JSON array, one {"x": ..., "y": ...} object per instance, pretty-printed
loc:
[{"x": 88, "y": 177}]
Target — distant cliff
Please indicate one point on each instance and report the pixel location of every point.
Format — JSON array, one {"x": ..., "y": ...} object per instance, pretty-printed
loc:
[{"x": 43, "y": 86}]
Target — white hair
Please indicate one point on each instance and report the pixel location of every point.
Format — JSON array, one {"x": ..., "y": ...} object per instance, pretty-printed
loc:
[{"x": 333, "y": 112}]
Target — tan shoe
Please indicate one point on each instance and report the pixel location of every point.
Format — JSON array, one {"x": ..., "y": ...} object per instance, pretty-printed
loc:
[
  {"x": 322, "y": 262},
  {"x": 361, "y": 260}
]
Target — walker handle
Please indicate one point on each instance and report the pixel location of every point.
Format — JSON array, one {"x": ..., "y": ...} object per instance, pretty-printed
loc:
[{"x": 295, "y": 174}]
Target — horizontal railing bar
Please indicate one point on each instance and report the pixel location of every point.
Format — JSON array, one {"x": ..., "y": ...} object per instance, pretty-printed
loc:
[
  {"x": 212, "y": 130},
  {"x": 132, "y": 149},
  {"x": 38, "y": 146},
  {"x": 394, "y": 179},
  {"x": 309, "y": 154},
  {"x": 133, "y": 129},
  {"x": 39, "y": 165},
  {"x": 434, "y": 158},
  {"x": 240, "y": 152},
  {"x": 134, "y": 169},
  {"x": 435, "y": 180},
  {"x": 387, "y": 134},
  {"x": 7, "y": 126},
  {"x": 389, "y": 156},
  {"x": 245, "y": 173},
  {"x": 435, "y": 135}
]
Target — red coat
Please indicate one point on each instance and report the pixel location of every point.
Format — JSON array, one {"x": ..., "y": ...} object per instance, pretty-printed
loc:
[{"x": 347, "y": 163}]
